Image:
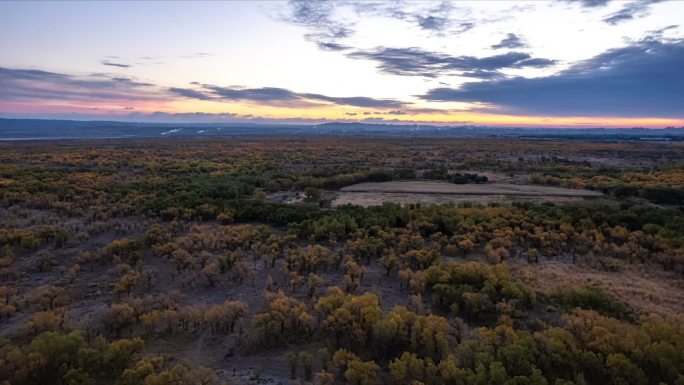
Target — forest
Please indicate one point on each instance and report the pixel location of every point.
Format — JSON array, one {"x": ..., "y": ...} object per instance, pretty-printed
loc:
[{"x": 178, "y": 261}]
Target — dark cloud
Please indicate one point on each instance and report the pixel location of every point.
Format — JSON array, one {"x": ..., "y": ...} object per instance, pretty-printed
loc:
[
  {"x": 534, "y": 62},
  {"x": 311, "y": 13},
  {"x": 131, "y": 82},
  {"x": 590, "y": 3},
  {"x": 26, "y": 84},
  {"x": 658, "y": 33},
  {"x": 432, "y": 22},
  {"x": 357, "y": 101},
  {"x": 438, "y": 19},
  {"x": 281, "y": 96},
  {"x": 326, "y": 27},
  {"x": 36, "y": 85},
  {"x": 485, "y": 75},
  {"x": 317, "y": 15},
  {"x": 511, "y": 41},
  {"x": 264, "y": 94},
  {"x": 189, "y": 93},
  {"x": 330, "y": 46},
  {"x": 418, "y": 62},
  {"x": 114, "y": 64},
  {"x": 465, "y": 26},
  {"x": 630, "y": 11},
  {"x": 644, "y": 80},
  {"x": 396, "y": 112}
]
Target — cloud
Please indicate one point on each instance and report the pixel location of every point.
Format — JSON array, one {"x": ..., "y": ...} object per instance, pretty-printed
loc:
[
  {"x": 590, "y": 3},
  {"x": 317, "y": 15},
  {"x": 327, "y": 25},
  {"x": 29, "y": 86},
  {"x": 280, "y": 96},
  {"x": 310, "y": 13},
  {"x": 630, "y": 11},
  {"x": 358, "y": 101},
  {"x": 36, "y": 85},
  {"x": 641, "y": 80},
  {"x": 330, "y": 46},
  {"x": 511, "y": 41},
  {"x": 191, "y": 94},
  {"x": 480, "y": 74},
  {"x": 185, "y": 117},
  {"x": 131, "y": 82},
  {"x": 197, "y": 55},
  {"x": 437, "y": 19},
  {"x": 264, "y": 94},
  {"x": 432, "y": 22},
  {"x": 114, "y": 64},
  {"x": 220, "y": 117},
  {"x": 418, "y": 62},
  {"x": 440, "y": 21}
]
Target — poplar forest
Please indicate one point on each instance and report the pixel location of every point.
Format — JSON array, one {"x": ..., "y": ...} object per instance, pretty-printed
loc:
[{"x": 342, "y": 260}]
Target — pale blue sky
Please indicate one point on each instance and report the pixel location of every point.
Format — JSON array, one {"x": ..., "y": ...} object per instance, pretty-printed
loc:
[{"x": 420, "y": 61}]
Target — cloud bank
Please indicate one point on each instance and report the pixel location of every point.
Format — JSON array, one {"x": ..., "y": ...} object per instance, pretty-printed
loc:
[
  {"x": 643, "y": 79},
  {"x": 418, "y": 62},
  {"x": 280, "y": 97}
]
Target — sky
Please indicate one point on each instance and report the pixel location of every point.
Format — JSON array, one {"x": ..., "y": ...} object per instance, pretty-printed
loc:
[{"x": 560, "y": 63}]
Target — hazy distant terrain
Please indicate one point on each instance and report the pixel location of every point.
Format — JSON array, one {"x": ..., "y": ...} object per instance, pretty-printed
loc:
[{"x": 37, "y": 129}]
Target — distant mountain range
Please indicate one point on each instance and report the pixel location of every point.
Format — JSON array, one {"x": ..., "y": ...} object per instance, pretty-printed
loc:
[{"x": 38, "y": 129}]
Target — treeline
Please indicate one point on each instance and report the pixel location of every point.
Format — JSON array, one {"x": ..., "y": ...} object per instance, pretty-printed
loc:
[
  {"x": 366, "y": 346},
  {"x": 659, "y": 186},
  {"x": 442, "y": 173},
  {"x": 635, "y": 234},
  {"x": 69, "y": 358}
]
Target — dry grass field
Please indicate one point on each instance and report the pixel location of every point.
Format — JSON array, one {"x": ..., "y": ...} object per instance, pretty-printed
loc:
[
  {"x": 645, "y": 291},
  {"x": 368, "y": 199},
  {"x": 431, "y": 192},
  {"x": 430, "y": 187}
]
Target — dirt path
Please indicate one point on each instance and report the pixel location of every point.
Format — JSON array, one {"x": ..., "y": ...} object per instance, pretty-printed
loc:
[{"x": 199, "y": 345}]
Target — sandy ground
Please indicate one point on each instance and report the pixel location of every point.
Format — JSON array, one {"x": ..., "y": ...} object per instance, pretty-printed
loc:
[
  {"x": 367, "y": 199},
  {"x": 432, "y": 192},
  {"x": 647, "y": 291},
  {"x": 432, "y": 187}
]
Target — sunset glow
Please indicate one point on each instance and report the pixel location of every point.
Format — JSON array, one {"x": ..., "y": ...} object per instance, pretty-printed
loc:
[{"x": 540, "y": 63}]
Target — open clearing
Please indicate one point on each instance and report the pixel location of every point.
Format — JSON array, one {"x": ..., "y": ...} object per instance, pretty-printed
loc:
[
  {"x": 430, "y": 192},
  {"x": 430, "y": 187},
  {"x": 647, "y": 291},
  {"x": 367, "y": 199}
]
